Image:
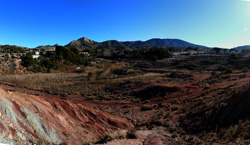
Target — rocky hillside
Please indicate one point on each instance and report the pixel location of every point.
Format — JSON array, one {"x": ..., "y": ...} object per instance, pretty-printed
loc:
[
  {"x": 82, "y": 42},
  {"x": 11, "y": 65},
  {"x": 27, "y": 119}
]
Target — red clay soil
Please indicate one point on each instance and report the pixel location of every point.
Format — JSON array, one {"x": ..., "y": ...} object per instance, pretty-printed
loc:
[
  {"x": 173, "y": 91},
  {"x": 19, "y": 109},
  {"x": 54, "y": 120},
  {"x": 2, "y": 127},
  {"x": 25, "y": 128},
  {"x": 12, "y": 130},
  {"x": 73, "y": 122},
  {"x": 186, "y": 96}
]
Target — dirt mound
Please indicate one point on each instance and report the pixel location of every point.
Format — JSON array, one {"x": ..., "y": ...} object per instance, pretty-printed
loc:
[
  {"x": 223, "y": 112},
  {"x": 28, "y": 119},
  {"x": 237, "y": 108},
  {"x": 154, "y": 91}
]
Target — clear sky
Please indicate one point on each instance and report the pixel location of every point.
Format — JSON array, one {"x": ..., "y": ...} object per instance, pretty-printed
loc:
[{"x": 29, "y": 23}]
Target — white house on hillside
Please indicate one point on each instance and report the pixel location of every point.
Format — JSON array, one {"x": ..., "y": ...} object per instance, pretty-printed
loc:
[
  {"x": 35, "y": 54},
  {"x": 85, "y": 53}
]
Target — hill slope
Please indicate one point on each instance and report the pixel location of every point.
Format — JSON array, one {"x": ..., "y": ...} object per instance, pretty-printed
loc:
[
  {"x": 161, "y": 43},
  {"x": 245, "y": 47},
  {"x": 114, "y": 44}
]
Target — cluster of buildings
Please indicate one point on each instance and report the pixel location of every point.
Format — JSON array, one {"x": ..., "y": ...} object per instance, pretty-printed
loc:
[
  {"x": 42, "y": 52},
  {"x": 36, "y": 53},
  {"x": 207, "y": 52}
]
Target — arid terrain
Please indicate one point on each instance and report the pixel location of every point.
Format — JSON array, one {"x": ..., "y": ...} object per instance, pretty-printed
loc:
[
  {"x": 193, "y": 100},
  {"x": 125, "y": 72}
]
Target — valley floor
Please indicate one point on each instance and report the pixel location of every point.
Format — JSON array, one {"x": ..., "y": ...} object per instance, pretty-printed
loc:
[{"x": 191, "y": 101}]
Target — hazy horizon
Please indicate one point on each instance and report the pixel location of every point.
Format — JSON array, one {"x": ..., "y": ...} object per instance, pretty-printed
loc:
[{"x": 220, "y": 23}]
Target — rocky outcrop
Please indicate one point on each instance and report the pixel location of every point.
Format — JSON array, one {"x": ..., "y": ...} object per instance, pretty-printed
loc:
[
  {"x": 26, "y": 119},
  {"x": 82, "y": 42}
]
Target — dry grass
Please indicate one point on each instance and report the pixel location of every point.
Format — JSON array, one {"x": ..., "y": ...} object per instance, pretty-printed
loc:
[
  {"x": 45, "y": 82},
  {"x": 120, "y": 134},
  {"x": 137, "y": 77},
  {"x": 113, "y": 67},
  {"x": 65, "y": 83},
  {"x": 74, "y": 83},
  {"x": 105, "y": 69}
]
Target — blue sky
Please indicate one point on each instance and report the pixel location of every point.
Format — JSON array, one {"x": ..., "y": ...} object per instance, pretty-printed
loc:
[{"x": 29, "y": 23}]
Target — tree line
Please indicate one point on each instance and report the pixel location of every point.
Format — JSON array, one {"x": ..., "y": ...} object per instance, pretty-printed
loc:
[{"x": 54, "y": 60}]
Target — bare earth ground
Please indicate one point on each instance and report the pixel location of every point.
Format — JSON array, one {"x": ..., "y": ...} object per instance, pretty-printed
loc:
[{"x": 160, "y": 100}]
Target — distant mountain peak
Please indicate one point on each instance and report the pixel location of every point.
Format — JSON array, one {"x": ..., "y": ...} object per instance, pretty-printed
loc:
[
  {"x": 114, "y": 44},
  {"x": 85, "y": 39},
  {"x": 81, "y": 42}
]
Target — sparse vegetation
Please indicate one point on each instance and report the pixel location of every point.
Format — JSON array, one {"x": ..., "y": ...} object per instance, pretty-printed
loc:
[
  {"x": 184, "y": 96},
  {"x": 147, "y": 107},
  {"x": 244, "y": 70}
]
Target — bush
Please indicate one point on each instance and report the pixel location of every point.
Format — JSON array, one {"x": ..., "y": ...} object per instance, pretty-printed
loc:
[
  {"x": 228, "y": 71},
  {"x": 222, "y": 68},
  {"x": 90, "y": 74},
  {"x": 214, "y": 74},
  {"x": 244, "y": 70},
  {"x": 147, "y": 107}
]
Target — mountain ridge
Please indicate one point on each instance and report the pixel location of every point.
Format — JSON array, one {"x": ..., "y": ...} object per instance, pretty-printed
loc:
[
  {"x": 157, "y": 42},
  {"x": 115, "y": 44},
  {"x": 244, "y": 47}
]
